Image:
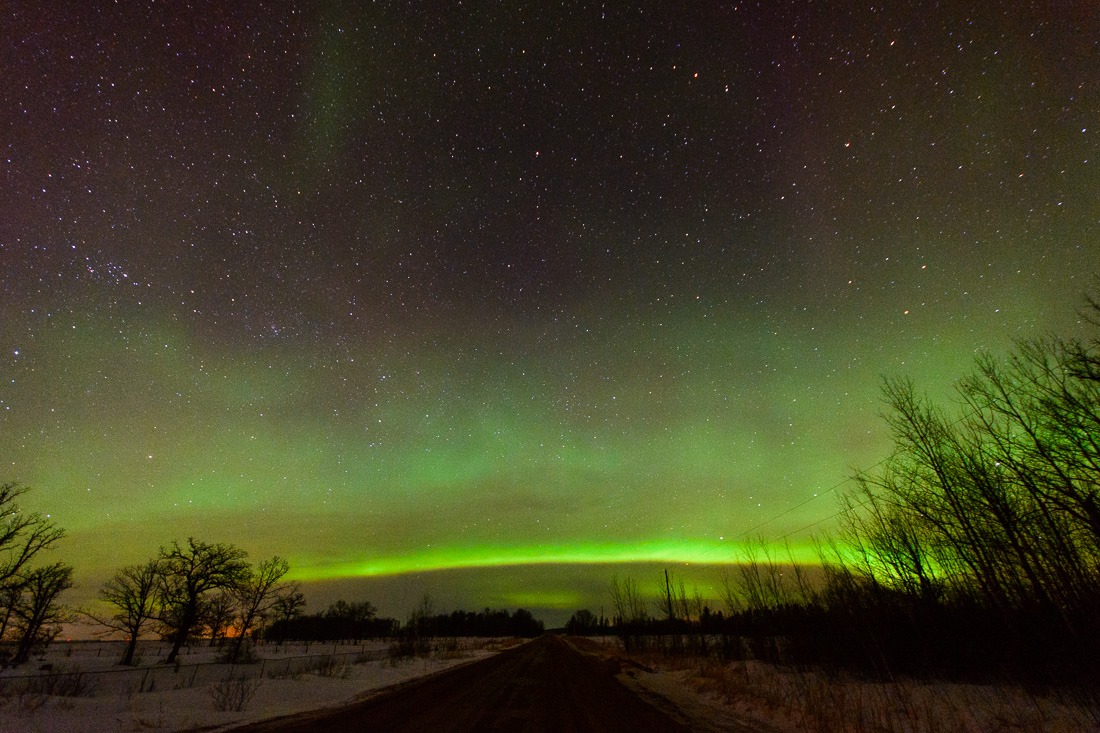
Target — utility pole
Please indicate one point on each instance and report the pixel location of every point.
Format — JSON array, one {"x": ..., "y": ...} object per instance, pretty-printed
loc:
[{"x": 668, "y": 597}]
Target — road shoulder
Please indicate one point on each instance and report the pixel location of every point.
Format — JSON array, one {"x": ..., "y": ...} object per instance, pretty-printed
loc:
[{"x": 670, "y": 692}]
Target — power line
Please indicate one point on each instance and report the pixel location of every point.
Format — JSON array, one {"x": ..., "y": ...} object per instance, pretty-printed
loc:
[{"x": 972, "y": 413}]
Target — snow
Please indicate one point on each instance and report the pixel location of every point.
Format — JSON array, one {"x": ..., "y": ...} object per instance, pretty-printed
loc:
[
  {"x": 151, "y": 696},
  {"x": 759, "y": 696},
  {"x": 710, "y": 695},
  {"x": 705, "y": 694}
]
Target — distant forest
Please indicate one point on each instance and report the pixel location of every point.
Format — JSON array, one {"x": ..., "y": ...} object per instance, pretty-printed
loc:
[{"x": 344, "y": 620}]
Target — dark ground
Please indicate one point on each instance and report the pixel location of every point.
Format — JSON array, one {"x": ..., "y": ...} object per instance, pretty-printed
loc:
[{"x": 546, "y": 685}]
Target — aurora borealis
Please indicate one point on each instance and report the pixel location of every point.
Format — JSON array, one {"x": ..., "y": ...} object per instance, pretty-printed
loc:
[{"x": 526, "y": 292}]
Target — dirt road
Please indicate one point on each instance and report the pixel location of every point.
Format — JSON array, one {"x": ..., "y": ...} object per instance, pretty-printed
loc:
[{"x": 545, "y": 685}]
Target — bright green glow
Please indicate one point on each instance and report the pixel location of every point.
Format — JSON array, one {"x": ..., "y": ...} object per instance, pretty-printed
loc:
[
  {"x": 677, "y": 552},
  {"x": 384, "y": 302},
  {"x": 403, "y": 461}
]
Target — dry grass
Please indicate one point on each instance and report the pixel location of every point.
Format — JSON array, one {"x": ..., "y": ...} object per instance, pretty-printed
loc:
[
  {"x": 234, "y": 692},
  {"x": 334, "y": 667},
  {"x": 808, "y": 700}
]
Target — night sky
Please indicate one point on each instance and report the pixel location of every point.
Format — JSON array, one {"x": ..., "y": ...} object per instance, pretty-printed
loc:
[{"x": 463, "y": 298}]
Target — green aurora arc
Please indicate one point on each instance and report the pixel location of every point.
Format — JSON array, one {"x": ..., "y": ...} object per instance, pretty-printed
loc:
[
  {"x": 514, "y": 299},
  {"x": 676, "y": 553},
  {"x": 438, "y": 470}
]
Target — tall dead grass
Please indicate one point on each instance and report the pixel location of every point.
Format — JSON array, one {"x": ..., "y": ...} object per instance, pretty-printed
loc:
[{"x": 809, "y": 700}]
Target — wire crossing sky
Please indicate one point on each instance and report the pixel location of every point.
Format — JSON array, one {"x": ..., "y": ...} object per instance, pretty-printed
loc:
[{"x": 391, "y": 289}]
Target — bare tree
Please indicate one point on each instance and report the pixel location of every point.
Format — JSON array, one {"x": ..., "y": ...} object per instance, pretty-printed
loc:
[
  {"x": 133, "y": 592},
  {"x": 38, "y": 616},
  {"x": 627, "y": 601},
  {"x": 676, "y": 605},
  {"x": 22, "y": 536},
  {"x": 1000, "y": 504},
  {"x": 257, "y": 595},
  {"x": 804, "y": 591},
  {"x": 289, "y": 604},
  {"x": 360, "y": 611},
  {"x": 753, "y": 577},
  {"x": 217, "y": 613},
  {"x": 729, "y": 592},
  {"x": 9, "y": 597},
  {"x": 189, "y": 572},
  {"x": 891, "y": 539},
  {"x": 420, "y": 620}
]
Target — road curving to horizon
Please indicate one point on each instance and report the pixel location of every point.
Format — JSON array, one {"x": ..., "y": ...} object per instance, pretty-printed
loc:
[{"x": 544, "y": 685}]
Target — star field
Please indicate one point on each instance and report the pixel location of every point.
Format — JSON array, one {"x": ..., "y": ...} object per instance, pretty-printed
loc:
[{"x": 388, "y": 289}]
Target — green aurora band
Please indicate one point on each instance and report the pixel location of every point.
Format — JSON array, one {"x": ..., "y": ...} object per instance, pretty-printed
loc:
[
  {"x": 498, "y": 302},
  {"x": 443, "y": 453},
  {"x": 672, "y": 552}
]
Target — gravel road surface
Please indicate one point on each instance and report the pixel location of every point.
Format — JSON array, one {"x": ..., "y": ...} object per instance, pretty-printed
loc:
[{"x": 544, "y": 685}]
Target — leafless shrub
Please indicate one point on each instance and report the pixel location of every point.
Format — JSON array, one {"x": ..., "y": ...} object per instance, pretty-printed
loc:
[
  {"x": 234, "y": 692},
  {"x": 59, "y": 684},
  {"x": 813, "y": 701},
  {"x": 333, "y": 667},
  {"x": 285, "y": 671},
  {"x": 448, "y": 648},
  {"x": 403, "y": 648},
  {"x": 239, "y": 654}
]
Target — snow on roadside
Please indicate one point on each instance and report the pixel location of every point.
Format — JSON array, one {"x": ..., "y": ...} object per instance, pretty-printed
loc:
[
  {"x": 115, "y": 700},
  {"x": 757, "y": 696}
]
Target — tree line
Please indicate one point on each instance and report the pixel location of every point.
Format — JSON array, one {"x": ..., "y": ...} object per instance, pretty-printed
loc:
[
  {"x": 188, "y": 589},
  {"x": 29, "y": 612},
  {"x": 972, "y": 551},
  {"x": 197, "y": 588},
  {"x": 984, "y": 523},
  {"x": 343, "y": 620},
  {"x": 191, "y": 590}
]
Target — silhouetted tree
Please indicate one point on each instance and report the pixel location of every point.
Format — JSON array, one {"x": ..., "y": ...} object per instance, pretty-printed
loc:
[
  {"x": 341, "y": 620},
  {"x": 217, "y": 612},
  {"x": 22, "y": 536},
  {"x": 630, "y": 619},
  {"x": 582, "y": 623},
  {"x": 257, "y": 594},
  {"x": 188, "y": 573},
  {"x": 38, "y": 616},
  {"x": 132, "y": 591},
  {"x": 419, "y": 624},
  {"x": 992, "y": 514},
  {"x": 487, "y": 622},
  {"x": 524, "y": 623},
  {"x": 353, "y": 612},
  {"x": 627, "y": 601},
  {"x": 289, "y": 604}
]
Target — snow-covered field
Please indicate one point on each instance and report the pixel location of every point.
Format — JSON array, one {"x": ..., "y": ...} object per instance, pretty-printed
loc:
[{"x": 78, "y": 687}]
